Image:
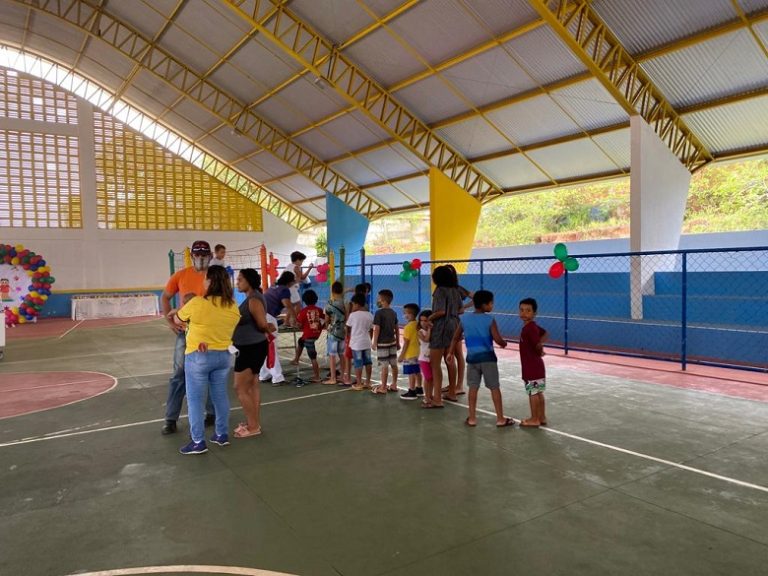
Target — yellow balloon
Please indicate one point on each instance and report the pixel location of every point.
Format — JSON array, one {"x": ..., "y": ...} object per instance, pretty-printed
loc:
[
  {"x": 19, "y": 247},
  {"x": 15, "y": 310},
  {"x": 34, "y": 294},
  {"x": 15, "y": 260},
  {"x": 44, "y": 297},
  {"x": 22, "y": 320},
  {"x": 43, "y": 269}
]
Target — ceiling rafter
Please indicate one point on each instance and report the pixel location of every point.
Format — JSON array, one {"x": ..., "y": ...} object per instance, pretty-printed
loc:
[
  {"x": 580, "y": 28},
  {"x": 354, "y": 39},
  {"x": 437, "y": 68},
  {"x": 312, "y": 51},
  {"x": 168, "y": 68},
  {"x": 83, "y": 16}
]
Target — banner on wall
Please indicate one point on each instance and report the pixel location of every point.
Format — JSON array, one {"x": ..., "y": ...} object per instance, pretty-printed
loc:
[
  {"x": 13, "y": 285},
  {"x": 25, "y": 283}
]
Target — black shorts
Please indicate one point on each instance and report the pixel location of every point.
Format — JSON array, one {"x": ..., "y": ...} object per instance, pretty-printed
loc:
[{"x": 251, "y": 356}]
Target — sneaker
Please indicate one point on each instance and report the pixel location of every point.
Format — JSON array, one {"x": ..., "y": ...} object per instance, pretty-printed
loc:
[
  {"x": 220, "y": 439},
  {"x": 410, "y": 395},
  {"x": 194, "y": 448},
  {"x": 169, "y": 427},
  {"x": 210, "y": 420},
  {"x": 420, "y": 392}
]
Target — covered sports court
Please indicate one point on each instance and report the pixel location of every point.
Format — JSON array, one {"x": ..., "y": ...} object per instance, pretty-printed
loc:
[{"x": 132, "y": 128}]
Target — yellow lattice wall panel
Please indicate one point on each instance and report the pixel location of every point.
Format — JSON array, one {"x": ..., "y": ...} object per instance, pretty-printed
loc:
[
  {"x": 27, "y": 98},
  {"x": 140, "y": 186},
  {"x": 39, "y": 181}
]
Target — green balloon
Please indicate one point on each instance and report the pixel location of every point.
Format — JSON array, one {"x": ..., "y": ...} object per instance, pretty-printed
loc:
[
  {"x": 407, "y": 266},
  {"x": 571, "y": 264},
  {"x": 414, "y": 273},
  {"x": 51, "y": 280},
  {"x": 561, "y": 252},
  {"x": 405, "y": 275}
]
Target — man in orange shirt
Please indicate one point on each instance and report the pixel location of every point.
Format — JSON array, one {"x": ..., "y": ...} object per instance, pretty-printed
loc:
[{"x": 185, "y": 281}]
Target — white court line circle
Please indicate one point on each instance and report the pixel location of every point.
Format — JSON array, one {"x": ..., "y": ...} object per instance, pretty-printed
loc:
[{"x": 185, "y": 569}]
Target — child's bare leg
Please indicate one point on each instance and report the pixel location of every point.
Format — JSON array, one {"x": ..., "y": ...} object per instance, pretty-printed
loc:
[
  {"x": 497, "y": 405},
  {"x": 368, "y": 372},
  {"x": 417, "y": 379},
  {"x": 472, "y": 418},
  {"x": 395, "y": 373},
  {"x": 358, "y": 381},
  {"x": 542, "y": 411},
  {"x": 533, "y": 421},
  {"x": 461, "y": 368},
  {"x": 332, "y": 368},
  {"x": 427, "y": 392},
  {"x": 299, "y": 350},
  {"x": 452, "y": 374},
  {"x": 315, "y": 370},
  {"x": 412, "y": 381},
  {"x": 382, "y": 387},
  {"x": 346, "y": 370},
  {"x": 436, "y": 362}
]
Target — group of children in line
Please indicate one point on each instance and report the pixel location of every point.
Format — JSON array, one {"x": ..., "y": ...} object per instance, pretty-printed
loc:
[{"x": 429, "y": 338}]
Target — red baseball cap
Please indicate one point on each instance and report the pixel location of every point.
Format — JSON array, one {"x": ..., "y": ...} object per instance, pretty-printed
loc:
[{"x": 201, "y": 247}]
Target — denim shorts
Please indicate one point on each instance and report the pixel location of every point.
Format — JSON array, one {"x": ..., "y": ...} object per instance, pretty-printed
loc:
[
  {"x": 309, "y": 346},
  {"x": 335, "y": 347},
  {"x": 361, "y": 358}
]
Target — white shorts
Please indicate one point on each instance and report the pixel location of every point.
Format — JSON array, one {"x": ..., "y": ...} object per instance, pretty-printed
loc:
[{"x": 295, "y": 294}]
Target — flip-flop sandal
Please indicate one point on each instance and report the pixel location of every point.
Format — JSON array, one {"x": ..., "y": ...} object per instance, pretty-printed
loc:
[
  {"x": 460, "y": 393},
  {"x": 466, "y": 421},
  {"x": 431, "y": 406},
  {"x": 377, "y": 391},
  {"x": 450, "y": 399},
  {"x": 239, "y": 434},
  {"x": 393, "y": 389},
  {"x": 507, "y": 422}
]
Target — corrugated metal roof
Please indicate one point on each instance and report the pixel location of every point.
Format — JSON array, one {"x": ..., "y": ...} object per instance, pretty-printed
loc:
[
  {"x": 533, "y": 120},
  {"x": 590, "y": 105},
  {"x": 573, "y": 159},
  {"x": 725, "y": 65},
  {"x": 217, "y": 29},
  {"x": 188, "y": 49},
  {"x": 438, "y": 29},
  {"x": 384, "y": 58},
  {"x": 355, "y": 130},
  {"x": 416, "y": 188},
  {"x": 320, "y": 144},
  {"x": 337, "y": 20},
  {"x": 752, "y": 6},
  {"x": 501, "y": 16},
  {"x": 474, "y": 137},
  {"x": 616, "y": 145},
  {"x": 262, "y": 65},
  {"x": 512, "y": 171},
  {"x": 489, "y": 77},
  {"x": 357, "y": 171},
  {"x": 392, "y": 161},
  {"x": 640, "y": 26},
  {"x": 389, "y": 196},
  {"x": 146, "y": 18},
  {"x": 544, "y": 56},
  {"x": 734, "y": 127},
  {"x": 310, "y": 100},
  {"x": 431, "y": 100}
]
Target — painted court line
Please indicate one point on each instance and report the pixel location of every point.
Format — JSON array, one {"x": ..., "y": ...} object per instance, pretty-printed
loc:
[
  {"x": 143, "y": 422},
  {"x": 187, "y": 569},
  {"x": 70, "y": 330},
  {"x": 638, "y": 454}
]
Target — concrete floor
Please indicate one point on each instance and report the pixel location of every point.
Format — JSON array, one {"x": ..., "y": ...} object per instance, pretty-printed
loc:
[{"x": 355, "y": 484}]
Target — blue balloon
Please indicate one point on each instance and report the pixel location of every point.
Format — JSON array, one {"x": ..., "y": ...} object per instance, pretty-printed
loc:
[{"x": 41, "y": 263}]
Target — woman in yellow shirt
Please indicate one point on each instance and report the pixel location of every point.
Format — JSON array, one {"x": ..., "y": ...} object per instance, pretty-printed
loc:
[{"x": 207, "y": 361}]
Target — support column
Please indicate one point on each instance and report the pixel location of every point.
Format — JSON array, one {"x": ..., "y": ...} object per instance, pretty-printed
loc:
[
  {"x": 453, "y": 217},
  {"x": 93, "y": 267},
  {"x": 346, "y": 227},
  {"x": 658, "y": 193}
]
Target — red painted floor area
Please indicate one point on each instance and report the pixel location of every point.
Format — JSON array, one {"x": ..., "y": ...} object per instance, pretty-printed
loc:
[
  {"x": 727, "y": 382},
  {"x": 56, "y": 327},
  {"x": 24, "y": 393}
]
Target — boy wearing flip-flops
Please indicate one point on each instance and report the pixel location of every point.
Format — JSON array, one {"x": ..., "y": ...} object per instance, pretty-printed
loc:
[{"x": 480, "y": 332}]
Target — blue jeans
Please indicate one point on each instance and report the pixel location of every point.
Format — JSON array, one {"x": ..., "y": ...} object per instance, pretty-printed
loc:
[
  {"x": 207, "y": 373},
  {"x": 176, "y": 387}
]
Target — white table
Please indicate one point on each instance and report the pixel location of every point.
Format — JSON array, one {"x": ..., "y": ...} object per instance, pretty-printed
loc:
[{"x": 90, "y": 306}]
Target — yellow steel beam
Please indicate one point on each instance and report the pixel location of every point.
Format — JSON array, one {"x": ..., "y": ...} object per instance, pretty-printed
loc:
[
  {"x": 117, "y": 34},
  {"x": 749, "y": 24},
  {"x": 578, "y": 25},
  {"x": 344, "y": 45},
  {"x": 444, "y": 65},
  {"x": 168, "y": 68},
  {"x": 307, "y": 47}
]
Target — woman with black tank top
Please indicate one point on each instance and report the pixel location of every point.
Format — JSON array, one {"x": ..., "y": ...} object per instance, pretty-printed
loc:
[{"x": 250, "y": 339}]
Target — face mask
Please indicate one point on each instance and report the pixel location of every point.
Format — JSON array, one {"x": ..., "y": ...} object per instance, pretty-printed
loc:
[{"x": 201, "y": 262}]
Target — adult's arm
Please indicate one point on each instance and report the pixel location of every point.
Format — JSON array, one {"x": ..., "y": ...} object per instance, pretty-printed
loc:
[
  {"x": 165, "y": 303},
  {"x": 290, "y": 315},
  {"x": 259, "y": 314}
]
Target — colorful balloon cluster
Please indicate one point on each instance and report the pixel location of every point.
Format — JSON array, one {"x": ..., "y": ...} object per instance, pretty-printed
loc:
[
  {"x": 40, "y": 288},
  {"x": 410, "y": 269},
  {"x": 322, "y": 273},
  {"x": 564, "y": 262}
]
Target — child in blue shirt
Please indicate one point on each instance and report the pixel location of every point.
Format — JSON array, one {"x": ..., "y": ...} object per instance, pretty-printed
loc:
[{"x": 480, "y": 332}]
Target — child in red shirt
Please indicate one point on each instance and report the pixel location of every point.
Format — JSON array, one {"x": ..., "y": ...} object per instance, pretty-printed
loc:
[
  {"x": 532, "y": 339},
  {"x": 310, "y": 319}
]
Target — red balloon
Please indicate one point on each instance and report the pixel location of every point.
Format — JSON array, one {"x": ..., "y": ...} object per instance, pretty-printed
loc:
[
  {"x": 416, "y": 264},
  {"x": 556, "y": 270}
]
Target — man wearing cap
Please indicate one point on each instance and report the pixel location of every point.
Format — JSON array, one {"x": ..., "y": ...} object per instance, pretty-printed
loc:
[{"x": 185, "y": 281}]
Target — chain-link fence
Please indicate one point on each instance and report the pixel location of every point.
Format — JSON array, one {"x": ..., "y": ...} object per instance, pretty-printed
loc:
[{"x": 699, "y": 306}]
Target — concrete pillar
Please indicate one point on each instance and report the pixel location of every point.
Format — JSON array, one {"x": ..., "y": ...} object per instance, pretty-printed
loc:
[{"x": 658, "y": 193}]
